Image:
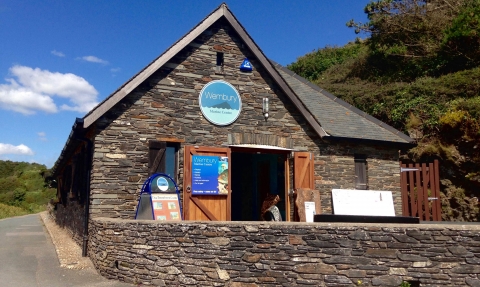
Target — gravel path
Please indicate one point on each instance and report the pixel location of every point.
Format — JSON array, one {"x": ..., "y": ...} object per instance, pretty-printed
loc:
[{"x": 68, "y": 251}]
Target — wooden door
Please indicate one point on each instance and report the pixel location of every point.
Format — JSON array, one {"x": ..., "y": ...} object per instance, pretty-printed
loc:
[
  {"x": 303, "y": 180},
  {"x": 303, "y": 165},
  {"x": 205, "y": 207}
]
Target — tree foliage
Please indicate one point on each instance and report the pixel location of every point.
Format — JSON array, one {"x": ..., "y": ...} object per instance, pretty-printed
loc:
[
  {"x": 421, "y": 38},
  {"x": 462, "y": 37},
  {"x": 313, "y": 64}
]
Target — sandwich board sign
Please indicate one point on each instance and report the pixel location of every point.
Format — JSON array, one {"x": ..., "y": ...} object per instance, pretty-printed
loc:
[{"x": 159, "y": 199}]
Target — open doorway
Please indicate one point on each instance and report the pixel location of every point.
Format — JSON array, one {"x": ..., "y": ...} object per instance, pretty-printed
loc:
[{"x": 255, "y": 174}]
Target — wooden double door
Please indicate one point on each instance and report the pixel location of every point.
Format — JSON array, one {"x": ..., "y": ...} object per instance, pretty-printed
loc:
[{"x": 255, "y": 172}]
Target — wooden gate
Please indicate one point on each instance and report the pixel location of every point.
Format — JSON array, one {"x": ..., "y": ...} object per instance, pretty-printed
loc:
[
  {"x": 420, "y": 186},
  {"x": 205, "y": 207}
]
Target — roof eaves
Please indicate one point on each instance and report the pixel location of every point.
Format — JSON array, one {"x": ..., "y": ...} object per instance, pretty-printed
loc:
[
  {"x": 70, "y": 146},
  {"x": 347, "y": 105},
  {"x": 402, "y": 145}
]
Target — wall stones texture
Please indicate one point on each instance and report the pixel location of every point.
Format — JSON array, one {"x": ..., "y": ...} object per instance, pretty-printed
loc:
[
  {"x": 284, "y": 254},
  {"x": 166, "y": 107}
]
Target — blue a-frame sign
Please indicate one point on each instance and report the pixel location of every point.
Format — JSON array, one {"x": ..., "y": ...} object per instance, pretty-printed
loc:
[{"x": 159, "y": 199}]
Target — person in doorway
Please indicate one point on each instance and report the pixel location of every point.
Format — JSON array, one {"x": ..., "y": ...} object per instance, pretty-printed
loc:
[{"x": 270, "y": 211}]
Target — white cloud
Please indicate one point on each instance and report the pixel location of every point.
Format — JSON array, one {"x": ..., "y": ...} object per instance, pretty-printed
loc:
[
  {"x": 32, "y": 90},
  {"x": 57, "y": 53},
  {"x": 115, "y": 70},
  {"x": 42, "y": 136},
  {"x": 93, "y": 59},
  {"x": 11, "y": 149}
]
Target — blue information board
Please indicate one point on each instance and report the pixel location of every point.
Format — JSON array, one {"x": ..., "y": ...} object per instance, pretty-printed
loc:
[{"x": 209, "y": 175}]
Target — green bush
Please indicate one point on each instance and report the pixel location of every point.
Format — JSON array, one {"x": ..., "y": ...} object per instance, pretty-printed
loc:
[
  {"x": 313, "y": 64},
  {"x": 23, "y": 188},
  {"x": 10, "y": 211}
]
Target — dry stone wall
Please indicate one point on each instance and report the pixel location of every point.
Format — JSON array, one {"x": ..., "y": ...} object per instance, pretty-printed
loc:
[{"x": 285, "y": 254}]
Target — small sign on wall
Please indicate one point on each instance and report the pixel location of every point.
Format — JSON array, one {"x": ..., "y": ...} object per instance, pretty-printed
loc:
[
  {"x": 309, "y": 211},
  {"x": 246, "y": 66},
  {"x": 209, "y": 175}
]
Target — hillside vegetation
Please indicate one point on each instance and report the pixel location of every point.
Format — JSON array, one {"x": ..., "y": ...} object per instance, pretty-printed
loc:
[
  {"x": 23, "y": 188},
  {"x": 419, "y": 71}
]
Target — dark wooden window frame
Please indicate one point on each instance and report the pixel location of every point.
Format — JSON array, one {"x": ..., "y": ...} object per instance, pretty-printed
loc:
[
  {"x": 361, "y": 178},
  {"x": 157, "y": 157},
  {"x": 220, "y": 62}
]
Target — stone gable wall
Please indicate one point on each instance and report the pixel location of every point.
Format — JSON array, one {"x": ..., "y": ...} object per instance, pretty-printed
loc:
[
  {"x": 165, "y": 107},
  {"x": 284, "y": 254}
]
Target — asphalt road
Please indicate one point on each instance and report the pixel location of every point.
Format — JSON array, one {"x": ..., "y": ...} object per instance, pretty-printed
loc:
[{"x": 28, "y": 258}]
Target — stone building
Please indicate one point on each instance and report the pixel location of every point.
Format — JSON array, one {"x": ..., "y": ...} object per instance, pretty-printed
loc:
[{"x": 275, "y": 132}]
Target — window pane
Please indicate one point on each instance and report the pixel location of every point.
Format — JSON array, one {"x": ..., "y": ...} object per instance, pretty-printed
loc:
[{"x": 170, "y": 160}]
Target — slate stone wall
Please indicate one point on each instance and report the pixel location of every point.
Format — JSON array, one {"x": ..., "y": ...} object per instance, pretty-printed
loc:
[
  {"x": 165, "y": 107},
  {"x": 284, "y": 254}
]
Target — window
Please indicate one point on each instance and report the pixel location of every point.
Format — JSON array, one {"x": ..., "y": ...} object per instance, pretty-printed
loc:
[
  {"x": 220, "y": 61},
  {"x": 163, "y": 158},
  {"x": 360, "y": 171}
]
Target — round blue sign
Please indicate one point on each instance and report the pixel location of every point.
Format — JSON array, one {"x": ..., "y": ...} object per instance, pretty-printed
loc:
[
  {"x": 220, "y": 103},
  {"x": 162, "y": 184}
]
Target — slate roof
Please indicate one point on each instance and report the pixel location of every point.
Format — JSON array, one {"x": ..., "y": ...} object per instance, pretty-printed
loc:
[{"x": 338, "y": 118}]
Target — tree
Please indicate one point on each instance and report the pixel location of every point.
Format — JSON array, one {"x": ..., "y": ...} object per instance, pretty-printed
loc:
[
  {"x": 409, "y": 34},
  {"x": 407, "y": 28},
  {"x": 462, "y": 36}
]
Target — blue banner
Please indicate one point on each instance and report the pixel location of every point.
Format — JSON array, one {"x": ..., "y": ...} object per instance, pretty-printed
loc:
[{"x": 209, "y": 175}]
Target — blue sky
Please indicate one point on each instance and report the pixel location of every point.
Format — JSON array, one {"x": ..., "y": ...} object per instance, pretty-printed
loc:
[{"x": 58, "y": 59}]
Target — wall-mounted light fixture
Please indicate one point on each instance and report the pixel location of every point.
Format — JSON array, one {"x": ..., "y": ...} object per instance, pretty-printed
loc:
[{"x": 265, "y": 108}]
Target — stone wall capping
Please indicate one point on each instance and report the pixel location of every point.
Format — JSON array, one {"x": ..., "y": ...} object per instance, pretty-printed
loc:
[{"x": 299, "y": 225}]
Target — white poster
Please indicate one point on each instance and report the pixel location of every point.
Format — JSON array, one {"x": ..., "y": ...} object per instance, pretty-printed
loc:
[
  {"x": 362, "y": 202},
  {"x": 309, "y": 211}
]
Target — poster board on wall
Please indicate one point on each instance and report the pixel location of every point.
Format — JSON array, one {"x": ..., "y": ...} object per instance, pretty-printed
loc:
[
  {"x": 209, "y": 175},
  {"x": 362, "y": 202}
]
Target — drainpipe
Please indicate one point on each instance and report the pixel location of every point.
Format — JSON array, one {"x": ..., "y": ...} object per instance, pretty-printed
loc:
[
  {"x": 81, "y": 137},
  {"x": 87, "y": 199}
]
